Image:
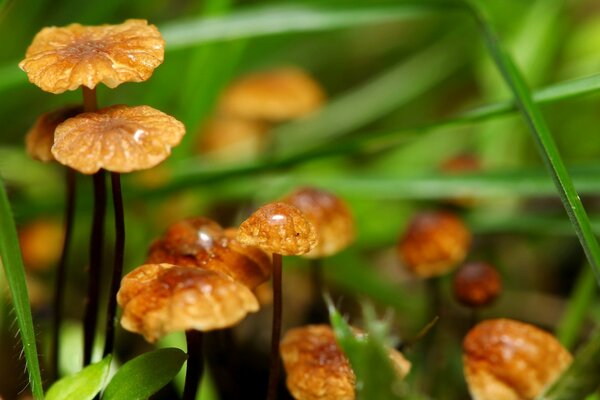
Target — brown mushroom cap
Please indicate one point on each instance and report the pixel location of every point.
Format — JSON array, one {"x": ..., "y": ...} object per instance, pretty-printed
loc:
[
  {"x": 277, "y": 95},
  {"x": 40, "y": 138},
  {"x": 162, "y": 298},
  {"x": 279, "y": 228},
  {"x": 66, "y": 58},
  {"x": 510, "y": 360},
  {"x": 116, "y": 138},
  {"x": 477, "y": 284},
  {"x": 329, "y": 215},
  {"x": 41, "y": 243},
  {"x": 434, "y": 243}
]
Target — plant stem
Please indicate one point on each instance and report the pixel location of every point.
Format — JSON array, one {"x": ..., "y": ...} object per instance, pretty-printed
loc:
[
  {"x": 118, "y": 264},
  {"x": 195, "y": 364},
  {"x": 276, "y": 328},
  {"x": 61, "y": 271}
]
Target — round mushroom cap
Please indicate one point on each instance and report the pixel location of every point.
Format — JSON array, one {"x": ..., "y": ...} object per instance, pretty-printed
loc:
[
  {"x": 279, "y": 228},
  {"x": 161, "y": 298},
  {"x": 65, "y": 58},
  {"x": 231, "y": 139},
  {"x": 434, "y": 243},
  {"x": 477, "y": 284},
  {"x": 40, "y": 138},
  {"x": 276, "y": 95},
  {"x": 117, "y": 138},
  {"x": 329, "y": 215},
  {"x": 41, "y": 241},
  {"x": 510, "y": 360}
]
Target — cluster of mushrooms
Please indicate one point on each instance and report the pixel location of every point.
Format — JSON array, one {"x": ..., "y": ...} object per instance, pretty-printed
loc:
[{"x": 201, "y": 277}]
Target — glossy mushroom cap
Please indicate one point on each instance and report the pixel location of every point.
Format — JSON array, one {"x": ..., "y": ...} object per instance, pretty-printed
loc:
[
  {"x": 509, "y": 360},
  {"x": 116, "y": 138},
  {"x": 318, "y": 369},
  {"x": 279, "y": 228},
  {"x": 161, "y": 298},
  {"x": 477, "y": 284},
  {"x": 65, "y": 58},
  {"x": 329, "y": 215},
  {"x": 276, "y": 96},
  {"x": 40, "y": 138},
  {"x": 434, "y": 244}
]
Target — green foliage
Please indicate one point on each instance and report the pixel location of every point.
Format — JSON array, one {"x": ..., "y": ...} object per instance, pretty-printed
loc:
[{"x": 84, "y": 385}]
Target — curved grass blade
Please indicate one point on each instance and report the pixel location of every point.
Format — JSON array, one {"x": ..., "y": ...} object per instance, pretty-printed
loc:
[
  {"x": 12, "y": 263},
  {"x": 84, "y": 385}
]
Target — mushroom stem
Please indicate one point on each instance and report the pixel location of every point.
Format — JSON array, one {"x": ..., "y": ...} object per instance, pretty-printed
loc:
[
  {"x": 90, "y": 102},
  {"x": 276, "y": 328},
  {"x": 61, "y": 271},
  {"x": 195, "y": 364},
  {"x": 118, "y": 264}
]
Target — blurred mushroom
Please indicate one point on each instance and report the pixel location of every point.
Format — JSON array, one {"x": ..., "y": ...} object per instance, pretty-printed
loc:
[
  {"x": 510, "y": 360},
  {"x": 461, "y": 164},
  {"x": 281, "y": 229},
  {"x": 40, "y": 242},
  {"x": 477, "y": 284},
  {"x": 318, "y": 369}
]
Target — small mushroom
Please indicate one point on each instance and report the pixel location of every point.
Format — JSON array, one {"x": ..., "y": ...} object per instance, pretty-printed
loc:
[
  {"x": 40, "y": 243},
  {"x": 477, "y": 284},
  {"x": 510, "y": 360},
  {"x": 276, "y": 96},
  {"x": 40, "y": 138}
]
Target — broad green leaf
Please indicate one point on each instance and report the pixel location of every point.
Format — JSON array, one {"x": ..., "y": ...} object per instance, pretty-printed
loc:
[
  {"x": 12, "y": 264},
  {"x": 581, "y": 378},
  {"x": 84, "y": 385},
  {"x": 143, "y": 376}
]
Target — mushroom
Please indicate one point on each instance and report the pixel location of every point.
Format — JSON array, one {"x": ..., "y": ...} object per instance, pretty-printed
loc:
[
  {"x": 317, "y": 368},
  {"x": 281, "y": 229},
  {"x": 510, "y": 360},
  {"x": 40, "y": 138},
  {"x": 477, "y": 284}
]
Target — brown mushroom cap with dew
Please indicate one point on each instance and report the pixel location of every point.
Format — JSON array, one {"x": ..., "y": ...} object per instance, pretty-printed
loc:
[
  {"x": 476, "y": 284},
  {"x": 65, "y": 58},
  {"x": 117, "y": 138},
  {"x": 40, "y": 138},
  {"x": 161, "y": 298},
  {"x": 276, "y": 96},
  {"x": 510, "y": 360},
  {"x": 329, "y": 215},
  {"x": 434, "y": 243},
  {"x": 278, "y": 228}
]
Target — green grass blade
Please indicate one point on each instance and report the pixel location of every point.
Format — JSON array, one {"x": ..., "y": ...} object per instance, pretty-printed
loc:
[
  {"x": 547, "y": 147},
  {"x": 12, "y": 263},
  {"x": 84, "y": 385}
]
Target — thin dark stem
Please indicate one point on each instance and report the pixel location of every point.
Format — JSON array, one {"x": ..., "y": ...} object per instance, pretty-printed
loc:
[
  {"x": 195, "y": 364},
  {"x": 276, "y": 329},
  {"x": 61, "y": 271},
  {"x": 90, "y": 102},
  {"x": 90, "y": 319},
  {"x": 118, "y": 265}
]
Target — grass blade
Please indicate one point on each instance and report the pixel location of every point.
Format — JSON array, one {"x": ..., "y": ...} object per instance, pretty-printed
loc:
[{"x": 12, "y": 263}]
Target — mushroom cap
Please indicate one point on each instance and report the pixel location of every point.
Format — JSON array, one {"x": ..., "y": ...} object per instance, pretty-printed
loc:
[
  {"x": 434, "y": 243},
  {"x": 41, "y": 241},
  {"x": 40, "y": 138},
  {"x": 65, "y": 58},
  {"x": 276, "y": 95},
  {"x": 329, "y": 215},
  {"x": 279, "y": 228},
  {"x": 477, "y": 284},
  {"x": 117, "y": 138},
  {"x": 510, "y": 360},
  {"x": 231, "y": 139},
  {"x": 201, "y": 242},
  {"x": 162, "y": 298}
]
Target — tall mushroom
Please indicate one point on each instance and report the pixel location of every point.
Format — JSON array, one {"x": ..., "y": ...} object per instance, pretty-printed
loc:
[{"x": 281, "y": 229}]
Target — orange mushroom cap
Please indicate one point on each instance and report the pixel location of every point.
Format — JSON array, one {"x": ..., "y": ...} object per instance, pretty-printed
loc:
[
  {"x": 162, "y": 298},
  {"x": 279, "y": 228},
  {"x": 510, "y": 360},
  {"x": 434, "y": 243},
  {"x": 65, "y": 58},
  {"x": 276, "y": 95},
  {"x": 117, "y": 138},
  {"x": 477, "y": 284},
  {"x": 40, "y": 138},
  {"x": 329, "y": 215}
]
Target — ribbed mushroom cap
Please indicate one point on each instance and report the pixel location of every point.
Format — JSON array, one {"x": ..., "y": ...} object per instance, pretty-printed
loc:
[
  {"x": 65, "y": 58},
  {"x": 40, "y": 138},
  {"x": 434, "y": 243},
  {"x": 510, "y": 360},
  {"x": 477, "y": 284},
  {"x": 161, "y": 298},
  {"x": 276, "y": 95},
  {"x": 117, "y": 138},
  {"x": 330, "y": 216},
  {"x": 279, "y": 228}
]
